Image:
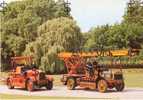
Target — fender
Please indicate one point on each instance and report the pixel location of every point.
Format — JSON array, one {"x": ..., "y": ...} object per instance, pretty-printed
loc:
[
  {"x": 50, "y": 78},
  {"x": 8, "y": 80},
  {"x": 32, "y": 78}
]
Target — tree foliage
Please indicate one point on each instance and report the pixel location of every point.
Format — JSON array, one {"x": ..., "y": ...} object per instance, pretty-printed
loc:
[
  {"x": 21, "y": 19},
  {"x": 61, "y": 34},
  {"x": 42, "y": 28},
  {"x": 128, "y": 34},
  {"x": 98, "y": 38},
  {"x": 134, "y": 12}
]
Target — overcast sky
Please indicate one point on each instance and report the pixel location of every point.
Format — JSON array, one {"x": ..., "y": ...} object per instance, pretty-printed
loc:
[{"x": 91, "y": 13}]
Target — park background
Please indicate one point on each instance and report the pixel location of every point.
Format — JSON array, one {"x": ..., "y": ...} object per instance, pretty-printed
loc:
[{"x": 43, "y": 28}]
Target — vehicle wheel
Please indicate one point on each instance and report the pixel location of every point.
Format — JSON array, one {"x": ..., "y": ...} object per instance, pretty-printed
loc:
[
  {"x": 9, "y": 84},
  {"x": 71, "y": 83},
  {"x": 64, "y": 83},
  {"x": 30, "y": 85},
  {"x": 102, "y": 86},
  {"x": 120, "y": 86},
  {"x": 49, "y": 85}
]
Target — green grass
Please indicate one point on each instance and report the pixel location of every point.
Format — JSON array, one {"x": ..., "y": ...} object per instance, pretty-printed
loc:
[
  {"x": 22, "y": 97},
  {"x": 133, "y": 77}
]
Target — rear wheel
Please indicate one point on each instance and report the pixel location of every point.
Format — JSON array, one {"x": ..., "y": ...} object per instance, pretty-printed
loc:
[
  {"x": 71, "y": 83},
  {"x": 9, "y": 84},
  {"x": 30, "y": 85},
  {"x": 120, "y": 86},
  {"x": 64, "y": 83},
  {"x": 102, "y": 86},
  {"x": 49, "y": 85}
]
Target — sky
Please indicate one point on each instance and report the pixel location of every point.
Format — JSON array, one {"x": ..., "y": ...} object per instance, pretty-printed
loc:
[{"x": 92, "y": 13}]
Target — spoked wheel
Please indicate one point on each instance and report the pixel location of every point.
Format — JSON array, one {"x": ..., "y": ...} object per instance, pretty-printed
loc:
[
  {"x": 102, "y": 86},
  {"x": 120, "y": 86},
  {"x": 71, "y": 83},
  {"x": 30, "y": 86},
  {"x": 9, "y": 84},
  {"x": 49, "y": 85}
]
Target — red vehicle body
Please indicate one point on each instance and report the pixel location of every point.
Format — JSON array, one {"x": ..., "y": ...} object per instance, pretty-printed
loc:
[{"x": 25, "y": 75}]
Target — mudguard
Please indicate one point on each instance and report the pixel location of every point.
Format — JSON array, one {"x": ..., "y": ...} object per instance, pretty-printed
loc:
[{"x": 50, "y": 78}]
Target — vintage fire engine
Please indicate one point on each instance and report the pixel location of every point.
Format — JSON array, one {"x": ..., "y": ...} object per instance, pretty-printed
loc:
[
  {"x": 24, "y": 74},
  {"x": 90, "y": 74}
]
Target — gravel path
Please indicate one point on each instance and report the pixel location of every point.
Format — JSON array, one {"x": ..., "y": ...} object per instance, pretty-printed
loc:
[{"x": 127, "y": 94}]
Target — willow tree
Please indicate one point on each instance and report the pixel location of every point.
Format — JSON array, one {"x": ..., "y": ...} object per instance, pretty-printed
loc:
[
  {"x": 61, "y": 34},
  {"x": 20, "y": 21}
]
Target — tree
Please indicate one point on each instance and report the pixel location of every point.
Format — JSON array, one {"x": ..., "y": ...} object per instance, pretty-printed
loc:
[
  {"x": 134, "y": 12},
  {"x": 61, "y": 34},
  {"x": 135, "y": 35},
  {"x": 11, "y": 45},
  {"x": 21, "y": 20},
  {"x": 126, "y": 36},
  {"x": 117, "y": 36},
  {"x": 98, "y": 38},
  {"x": 23, "y": 17}
]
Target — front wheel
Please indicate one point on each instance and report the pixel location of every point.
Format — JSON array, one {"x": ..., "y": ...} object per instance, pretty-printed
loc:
[
  {"x": 49, "y": 85},
  {"x": 120, "y": 86},
  {"x": 9, "y": 84},
  {"x": 30, "y": 85},
  {"x": 102, "y": 86},
  {"x": 71, "y": 83}
]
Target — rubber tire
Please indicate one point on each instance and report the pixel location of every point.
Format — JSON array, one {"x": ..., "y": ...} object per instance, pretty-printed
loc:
[
  {"x": 102, "y": 86},
  {"x": 30, "y": 88},
  {"x": 71, "y": 83},
  {"x": 64, "y": 83},
  {"x": 120, "y": 87},
  {"x": 9, "y": 84},
  {"x": 49, "y": 85}
]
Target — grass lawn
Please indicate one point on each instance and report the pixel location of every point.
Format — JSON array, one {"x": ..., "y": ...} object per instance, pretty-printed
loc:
[
  {"x": 22, "y": 97},
  {"x": 133, "y": 77}
]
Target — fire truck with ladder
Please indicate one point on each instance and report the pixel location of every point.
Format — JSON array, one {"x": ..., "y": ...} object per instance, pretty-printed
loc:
[{"x": 91, "y": 74}]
